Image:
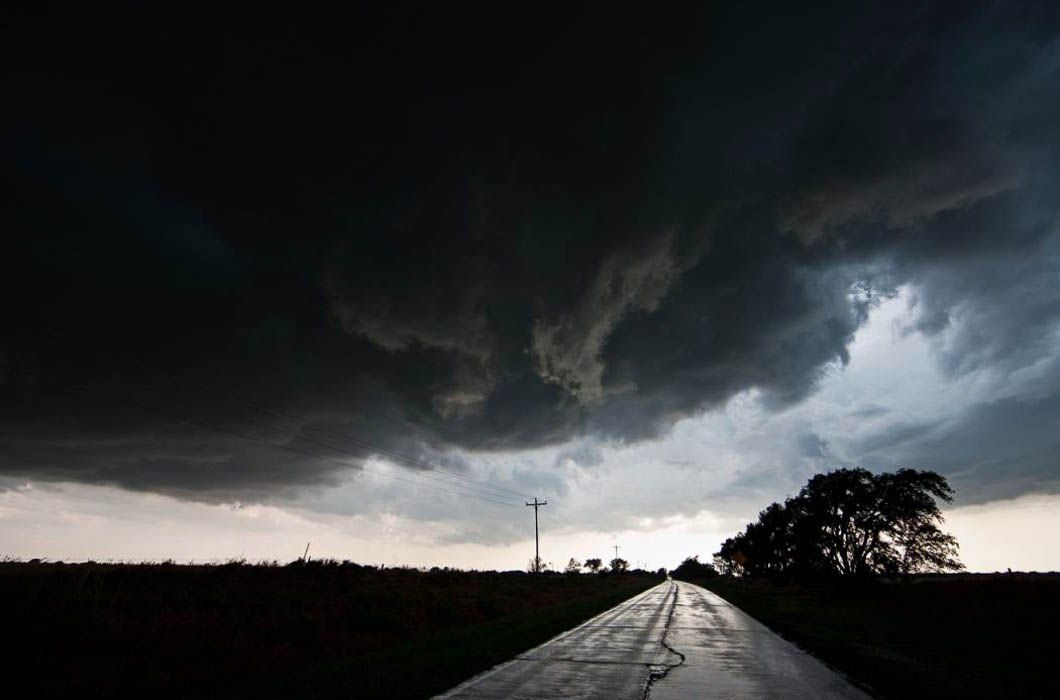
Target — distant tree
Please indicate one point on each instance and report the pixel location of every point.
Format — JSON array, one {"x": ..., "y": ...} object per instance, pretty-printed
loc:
[
  {"x": 848, "y": 522},
  {"x": 619, "y": 565},
  {"x": 537, "y": 565},
  {"x": 879, "y": 524},
  {"x": 594, "y": 564},
  {"x": 573, "y": 566},
  {"x": 692, "y": 568},
  {"x": 661, "y": 572}
]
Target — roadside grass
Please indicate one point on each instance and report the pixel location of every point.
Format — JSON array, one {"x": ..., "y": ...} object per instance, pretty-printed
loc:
[
  {"x": 323, "y": 630},
  {"x": 950, "y": 636},
  {"x": 427, "y": 667}
]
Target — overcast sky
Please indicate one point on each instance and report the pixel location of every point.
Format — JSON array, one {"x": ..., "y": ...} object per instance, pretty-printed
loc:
[{"x": 655, "y": 269}]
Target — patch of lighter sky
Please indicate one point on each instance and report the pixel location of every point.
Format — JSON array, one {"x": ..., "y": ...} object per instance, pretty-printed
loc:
[
  {"x": 1022, "y": 534},
  {"x": 892, "y": 371}
]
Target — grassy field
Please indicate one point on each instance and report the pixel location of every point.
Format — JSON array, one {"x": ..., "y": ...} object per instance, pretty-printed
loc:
[
  {"x": 323, "y": 630},
  {"x": 959, "y": 636}
]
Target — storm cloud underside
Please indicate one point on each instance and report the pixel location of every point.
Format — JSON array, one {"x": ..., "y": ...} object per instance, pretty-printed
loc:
[{"x": 483, "y": 240}]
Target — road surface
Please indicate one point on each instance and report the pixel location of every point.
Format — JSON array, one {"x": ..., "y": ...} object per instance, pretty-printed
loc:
[{"x": 675, "y": 641}]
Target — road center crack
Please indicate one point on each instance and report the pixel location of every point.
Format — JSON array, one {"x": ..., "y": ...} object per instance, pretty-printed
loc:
[{"x": 657, "y": 672}]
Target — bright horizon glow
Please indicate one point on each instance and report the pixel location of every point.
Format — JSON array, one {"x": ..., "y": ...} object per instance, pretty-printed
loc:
[{"x": 69, "y": 523}]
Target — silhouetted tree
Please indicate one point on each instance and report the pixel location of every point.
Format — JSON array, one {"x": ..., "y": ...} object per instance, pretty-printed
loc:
[
  {"x": 841, "y": 514},
  {"x": 619, "y": 565},
  {"x": 920, "y": 546},
  {"x": 573, "y": 566},
  {"x": 594, "y": 564},
  {"x": 926, "y": 549},
  {"x": 537, "y": 565},
  {"x": 880, "y": 524},
  {"x": 692, "y": 568},
  {"x": 769, "y": 545},
  {"x": 851, "y": 523}
]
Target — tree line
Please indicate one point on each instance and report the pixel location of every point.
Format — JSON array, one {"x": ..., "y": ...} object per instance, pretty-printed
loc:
[
  {"x": 593, "y": 564},
  {"x": 849, "y": 523}
]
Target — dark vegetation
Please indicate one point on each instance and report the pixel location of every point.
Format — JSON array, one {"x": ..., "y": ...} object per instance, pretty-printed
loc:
[
  {"x": 937, "y": 636},
  {"x": 692, "y": 569},
  {"x": 316, "y": 630},
  {"x": 850, "y": 523},
  {"x": 850, "y": 569}
]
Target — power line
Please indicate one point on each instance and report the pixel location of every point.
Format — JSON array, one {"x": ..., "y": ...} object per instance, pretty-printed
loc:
[
  {"x": 359, "y": 442},
  {"x": 553, "y": 520},
  {"x": 290, "y": 448},
  {"x": 326, "y": 446},
  {"x": 281, "y": 431},
  {"x": 478, "y": 486},
  {"x": 467, "y": 491},
  {"x": 402, "y": 458},
  {"x": 380, "y": 450}
]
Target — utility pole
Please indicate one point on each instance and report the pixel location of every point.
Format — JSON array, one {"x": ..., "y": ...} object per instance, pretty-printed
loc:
[
  {"x": 537, "y": 550},
  {"x": 615, "y": 562}
]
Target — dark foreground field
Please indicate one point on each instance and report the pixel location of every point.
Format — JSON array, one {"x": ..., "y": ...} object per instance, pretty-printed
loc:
[
  {"x": 960, "y": 636},
  {"x": 306, "y": 631}
]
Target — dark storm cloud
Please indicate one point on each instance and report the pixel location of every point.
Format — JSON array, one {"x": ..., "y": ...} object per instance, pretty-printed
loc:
[
  {"x": 1000, "y": 449},
  {"x": 435, "y": 231}
]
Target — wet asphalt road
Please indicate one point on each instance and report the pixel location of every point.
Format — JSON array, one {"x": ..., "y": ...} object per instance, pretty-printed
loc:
[{"x": 674, "y": 641}]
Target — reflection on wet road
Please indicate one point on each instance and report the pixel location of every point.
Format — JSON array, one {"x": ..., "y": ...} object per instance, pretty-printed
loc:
[{"x": 675, "y": 640}]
